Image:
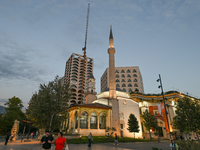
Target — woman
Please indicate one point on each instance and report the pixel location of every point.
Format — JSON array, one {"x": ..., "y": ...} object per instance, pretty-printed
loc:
[
  {"x": 60, "y": 142},
  {"x": 173, "y": 145}
]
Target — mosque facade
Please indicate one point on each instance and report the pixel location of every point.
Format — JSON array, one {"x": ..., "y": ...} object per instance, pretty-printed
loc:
[{"x": 113, "y": 106}]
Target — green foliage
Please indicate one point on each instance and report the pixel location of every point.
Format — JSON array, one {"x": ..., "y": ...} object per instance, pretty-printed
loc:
[
  {"x": 149, "y": 121},
  {"x": 103, "y": 139},
  {"x": 47, "y": 102},
  {"x": 13, "y": 112},
  {"x": 187, "y": 117},
  {"x": 133, "y": 124},
  {"x": 188, "y": 145}
]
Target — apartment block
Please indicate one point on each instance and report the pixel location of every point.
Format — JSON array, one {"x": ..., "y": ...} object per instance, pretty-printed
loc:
[
  {"x": 74, "y": 76},
  {"x": 126, "y": 78}
]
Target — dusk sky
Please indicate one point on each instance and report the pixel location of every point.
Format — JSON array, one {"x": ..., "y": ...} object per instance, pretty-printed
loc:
[{"x": 38, "y": 36}]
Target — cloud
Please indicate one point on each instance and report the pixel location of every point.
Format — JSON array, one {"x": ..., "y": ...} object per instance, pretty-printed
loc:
[{"x": 18, "y": 62}]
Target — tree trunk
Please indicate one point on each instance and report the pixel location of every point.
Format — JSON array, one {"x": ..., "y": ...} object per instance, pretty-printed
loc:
[
  {"x": 158, "y": 139},
  {"x": 149, "y": 135},
  {"x": 51, "y": 121},
  {"x": 198, "y": 137}
]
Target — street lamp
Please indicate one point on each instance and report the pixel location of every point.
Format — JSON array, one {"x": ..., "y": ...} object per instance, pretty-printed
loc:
[{"x": 162, "y": 93}]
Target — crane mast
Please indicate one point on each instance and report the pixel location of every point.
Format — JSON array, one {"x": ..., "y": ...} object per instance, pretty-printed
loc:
[{"x": 84, "y": 54}]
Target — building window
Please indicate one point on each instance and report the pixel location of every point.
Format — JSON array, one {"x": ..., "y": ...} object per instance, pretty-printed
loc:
[
  {"x": 74, "y": 80},
  {"x": 129, "y": 85},
  {"x": 102, "y": 121},
  {"x": 117, "y": 85},
  {"x": 123, "y": 85},
  {"x": 76, "y": 120},
  {"x": 116, "y": 71},
  {"x": 134, "y": 71},
  {"x": 73, "y": 86},
  {"x": 135, "y": 80},
  {"x": 122, "y": 71},
  {"x": 134, "y": 75},
  {"x": 121, "y": 126},
  {"x": 128, "y": 71},
  {"x": 130, "y": 91},
  {"x": 93, "y": 121},
  {"x": 117, "y": 80},
  {"x": 135, "y": 85},
  {"x": 123, "y": 76},
  {"x": 124, "y": 90},
  {"x": 84, "y": 120},
  {"x": 136, "y": 90},
  {"x": 128, "y": 75},
  {"x": 123, "y": 80},
  {"x": 117, "y": 76},
  {"x": 74, "y": 76},
  {"x": 129, "y": 80}
]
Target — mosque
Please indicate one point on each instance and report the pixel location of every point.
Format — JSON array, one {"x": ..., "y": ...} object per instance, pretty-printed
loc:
[{"x": 112, "y": 108}]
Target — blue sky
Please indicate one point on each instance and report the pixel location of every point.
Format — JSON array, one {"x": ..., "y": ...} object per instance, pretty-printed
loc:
[{"x": 37, "y": 37}]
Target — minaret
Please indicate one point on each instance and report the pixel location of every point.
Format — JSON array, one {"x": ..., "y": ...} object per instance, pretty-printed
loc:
[
  {"x": 111, "y": 52},
  {"x": 112, "y": 86}
]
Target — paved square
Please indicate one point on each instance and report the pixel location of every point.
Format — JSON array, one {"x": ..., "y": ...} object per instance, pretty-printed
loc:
[{"x": 34, "y": 145}]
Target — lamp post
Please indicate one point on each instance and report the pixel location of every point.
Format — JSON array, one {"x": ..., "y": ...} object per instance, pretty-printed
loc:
[{"x": 162, "y": 93}]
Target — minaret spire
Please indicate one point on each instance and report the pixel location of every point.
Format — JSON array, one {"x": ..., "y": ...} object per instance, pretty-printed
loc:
[{"x": 111, "y": 42}]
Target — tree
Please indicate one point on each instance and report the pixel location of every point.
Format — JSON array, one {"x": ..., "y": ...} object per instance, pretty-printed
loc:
[
  {"x": 133, "y": 124},
  {"x": 13, "y": 112},
  {"x": 149, "y": 121},
  {"x": 156, "y": 128},
  {"x": 187, "y": 117},
  {"x": 47, "y": 102}
]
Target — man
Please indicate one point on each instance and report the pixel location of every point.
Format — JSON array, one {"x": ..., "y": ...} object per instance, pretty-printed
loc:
[
  {"x": 46, "y": 141},
  {"x": 7, "y": 138},
  {"x": 116, "y": 141},
  {"x": 90, "y": 139}
]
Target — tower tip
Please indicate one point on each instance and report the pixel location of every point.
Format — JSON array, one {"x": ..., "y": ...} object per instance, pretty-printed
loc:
[{"x": 111, "y": 35}]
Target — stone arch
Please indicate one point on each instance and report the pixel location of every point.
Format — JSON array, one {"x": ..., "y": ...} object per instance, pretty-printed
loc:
[{"x": 84, "y": 120}]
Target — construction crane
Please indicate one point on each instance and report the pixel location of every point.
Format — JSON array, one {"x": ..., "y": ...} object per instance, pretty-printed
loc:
[{"x": 84, "y": 54}]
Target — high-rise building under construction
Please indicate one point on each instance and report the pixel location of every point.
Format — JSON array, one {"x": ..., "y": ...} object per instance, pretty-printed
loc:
[{"x": 74, "y": 76}]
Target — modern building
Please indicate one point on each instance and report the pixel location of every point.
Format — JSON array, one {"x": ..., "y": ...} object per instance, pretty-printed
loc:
[
  {"x": 127, "y": 79},
  {"x": 74, "y": 76}
]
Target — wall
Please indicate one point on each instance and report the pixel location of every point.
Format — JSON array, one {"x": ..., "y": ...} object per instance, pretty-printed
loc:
[{"x": 128, "y": 106}]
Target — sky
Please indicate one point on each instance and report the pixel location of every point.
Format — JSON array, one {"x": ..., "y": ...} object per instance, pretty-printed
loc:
[{"x": 160, "y": 36}]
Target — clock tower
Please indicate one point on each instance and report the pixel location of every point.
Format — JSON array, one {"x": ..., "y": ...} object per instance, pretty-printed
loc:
[{"x": 90, "y": 89}]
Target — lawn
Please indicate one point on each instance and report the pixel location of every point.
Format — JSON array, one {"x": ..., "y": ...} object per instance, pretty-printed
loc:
[{"x": 103, "y": 139}]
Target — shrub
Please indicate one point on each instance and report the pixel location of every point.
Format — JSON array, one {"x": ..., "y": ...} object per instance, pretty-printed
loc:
[{"x": 188, "y": 145}]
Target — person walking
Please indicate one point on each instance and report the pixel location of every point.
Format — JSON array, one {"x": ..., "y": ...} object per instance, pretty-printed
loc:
[
  {"x": 173, "y": 145},
  {"x": 90, "y": 139},
  {"x": 60, "y": 142},
  {"x": 116, "y": 141},
  {"x": 46, "y": 141},
  {"x": 7, "y": 138}
]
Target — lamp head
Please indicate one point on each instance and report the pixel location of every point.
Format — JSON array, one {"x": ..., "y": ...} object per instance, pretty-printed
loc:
[
  {"x": 159, "y": 86},
  {"x": 158, "y": 80}
]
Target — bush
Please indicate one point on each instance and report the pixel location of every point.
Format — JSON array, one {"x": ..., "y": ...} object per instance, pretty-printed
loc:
[{"x": 188, "y": 145}]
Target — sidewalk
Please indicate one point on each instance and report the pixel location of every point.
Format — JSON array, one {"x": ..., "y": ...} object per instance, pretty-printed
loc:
[{"x": 34, "y": 145}]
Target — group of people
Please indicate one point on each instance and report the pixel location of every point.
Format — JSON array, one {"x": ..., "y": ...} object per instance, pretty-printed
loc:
[
  {"x": 48, "y": 139},
  {"x": 61, "y": 142}
]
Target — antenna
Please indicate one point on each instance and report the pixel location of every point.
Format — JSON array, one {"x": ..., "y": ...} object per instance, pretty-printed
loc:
[{"x": 84, "y": 53}]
